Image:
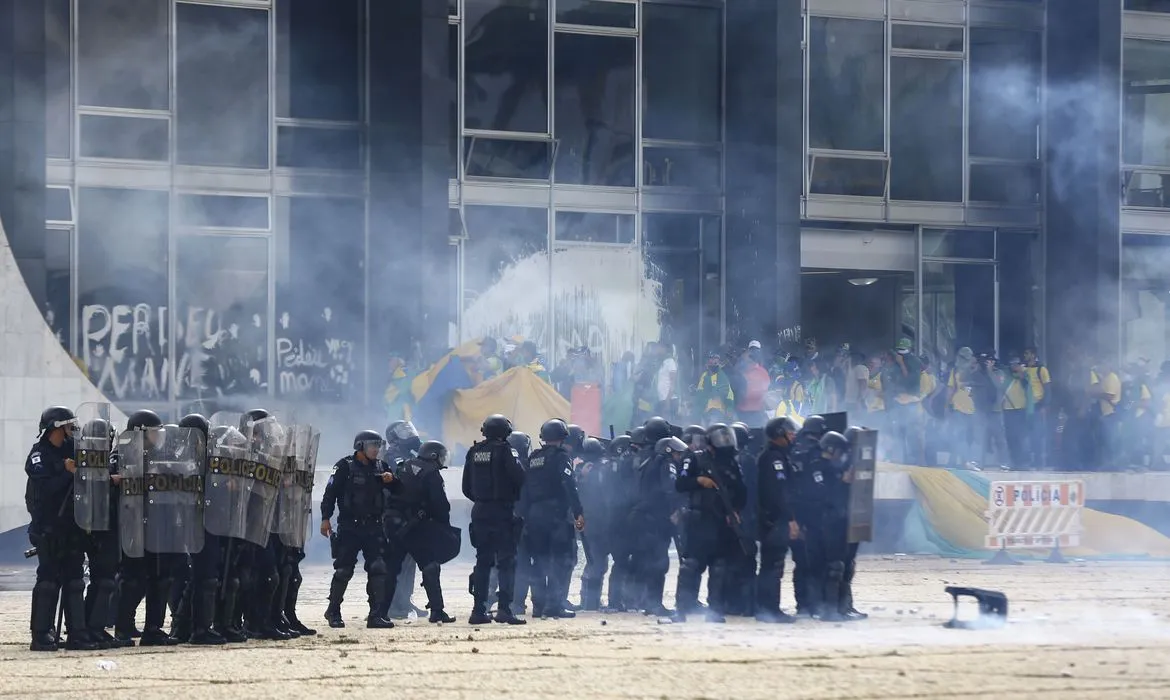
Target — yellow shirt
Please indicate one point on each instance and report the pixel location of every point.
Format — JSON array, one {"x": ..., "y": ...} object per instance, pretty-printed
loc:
[
  {"x": 790, "y": 405},
  {"x": 1014, "y": 398},
  {"x": 961, "y": 401},
  {"x": 1146, "y": 396},
  {"x": 1039, "y": 378},
  {"x": 874, "y": 402},
  {"x": 1110, "y": 385}
]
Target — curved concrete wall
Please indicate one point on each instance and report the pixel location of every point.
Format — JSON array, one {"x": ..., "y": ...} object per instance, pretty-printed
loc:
[{"x": 35, "y": 372}]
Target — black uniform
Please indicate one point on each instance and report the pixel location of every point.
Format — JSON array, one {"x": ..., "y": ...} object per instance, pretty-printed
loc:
[
  {"x": 547, "y": 501},
  {"x": 741, "y": 580},
  {"x": 103, "y": 550},
  {"x": 597, "y": 483},
  {"x": 492, "y": 479},
  {"x": 355, "y": 489},
  {"x": 711, "y": 543},
  {"x": 822, "y": 536},
  {"x": 801, "y": 497},
  {"x": 416, "y": 500},
  {"x": 650, "y": 528},
  {"x": 774, "y": 516},
  {"x": 623, "y": 591}
]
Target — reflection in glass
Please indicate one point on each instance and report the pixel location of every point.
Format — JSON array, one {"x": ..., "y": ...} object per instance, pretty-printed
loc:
[
  {"x": 506, "y": 65},
  {"x": 600, "y": 13},
  {"x": 452, "y": 88},
  {"x": 58, "y": 206},
  {"x": 1146, "y": 189},
  {"x": 591, "y": 227},
  {"x": 317, "y": 148},
  {"x": 696, "y": 168},
  {"x": 221, "y": 288},
  {"x": 1148, "y": 5},
  {"x": 682, "y": 257},
  {"x": 926, "y": 129},
  {"x": 975, "y": 244},
  {"x": 1146, "y": 126},
  {"x": 926, "y": 37},
  {"x": 958, "y": 308},
  {"x": 123, "y": 49},
  {"x": 58, "y": 271},
  {"x": 682, "y": 90},
  {"x": 130, "y": 138},
  {"x": 122, "y": 291},
  {"x": 1005, "y": 93},
  {"x": 58, "y": 98},
  {"x": 859, "y": 177},
  {"x": 318, "y": 59},
  {"x": 846, "y": 91},
  {"x": 595, "y": 109},
  {"x": 505, "y": 158},
  {"x": 1005, "y": 183},
  {"x": 505, "y": 273},
  {"x": 222, "y": 86},
  {"x": 223, "y": 211}
]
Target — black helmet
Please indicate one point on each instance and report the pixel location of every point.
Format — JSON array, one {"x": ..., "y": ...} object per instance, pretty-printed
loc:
[
  {"x": 638, "y": 437},
  {"x": 835, "y": 448},
  {"x": 521, "y": 443},
  {"x": 722, "y": 437},
  {"x": 742, "y": 435},
  {"x": 391, "y": 434},
  {"x": 591, "y": 448},
  {"x": 554, "y": 430},
  {"x": 56, "y": 417},
  {"x": 670, "y": 445},
  {"x": 366, "y": 438},
  {"x": 194, "y": 420},
  {"x": 253, "y": 416},
  {"x": 815, "y": 426},
  {"x": 433, "y": 451},
  {"x": 143, "y": 419},
  {"x": 656, "y": 429},
  {"x": 401, "y": 430},
  {"x": 782, "y": 427},
  {"x": 851, "y": 434},
  {"x": 576, "y": 437},
  {"x": 97, "y": 429},
  {"x": 695, "y": 436},
  {"x": 496, "y": 427},
  {"x": 619, "y": 445}
]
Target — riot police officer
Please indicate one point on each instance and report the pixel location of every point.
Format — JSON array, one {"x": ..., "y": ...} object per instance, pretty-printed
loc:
[
  {"x": 828, "y": 535},
  {"x": 492, "y": 479},
  {"x": 48, "y": 495},
  {"x": 649, "y": 519},
  {"x": 355, "y": 489},
  {"x": 623, "y": 591},
  {"x": 777, "y": 526},
  {"x": 402, "y": 444},
  {"x": 801, "y": 487},
  {"x": 595, "y": 484},
  {"x": 741, "y": 578},
  {"x": 417, "y": 521},
  {"x": 101, "y": 546},
  {"x": 523, "y": 446},
  {"x": 846, "y": 608},
  {"x": 547, "y": 502}
]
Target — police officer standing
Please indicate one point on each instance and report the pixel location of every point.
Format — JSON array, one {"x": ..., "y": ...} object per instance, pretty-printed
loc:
[
  {"x": 402, "y": 444},
  {"x": 199, "y": 598},
  {"x": 802, "y": 488},
  {"x": 102, "y": 548},
  {"x": 777, "y": 526},
  {"x": 492, "y": 479},
  {"x": 623, "y": 593},
  {"x": 523, "y": 446},
  {"x": 49, "y": 498},
  {"x": 595, "y": 483},
  {"x": 831, "y": 538},
  {"x": 649, "y": 519},
  {"x": 355, "y": 489}
]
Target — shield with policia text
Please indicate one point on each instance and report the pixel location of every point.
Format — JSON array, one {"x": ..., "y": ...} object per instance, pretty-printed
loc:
[
  {"x": 91, "y": 481},
  {"x": 863, "y": 464},
  {"x": 262, "y": 470},
  {"x": 294, "y": 509},
  {"x": 175, "y": 462},
  {"x": 225, "y": 493}
]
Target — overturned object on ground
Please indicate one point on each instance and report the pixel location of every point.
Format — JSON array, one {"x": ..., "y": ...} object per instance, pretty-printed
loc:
[{"x": 993, "y": 608}]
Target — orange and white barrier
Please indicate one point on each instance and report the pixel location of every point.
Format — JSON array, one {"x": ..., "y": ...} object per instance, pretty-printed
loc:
[{"x": 1034, "y": 514}]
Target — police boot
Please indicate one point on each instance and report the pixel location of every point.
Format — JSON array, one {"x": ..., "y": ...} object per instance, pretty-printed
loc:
[
  {"x": 264, "y": 597},
  {"x": 290, "y": 607},
  {"x": 74, "y": 611},
  {"x": 97, "y": 613},
  {"x": 831, "y": 592},
  {"x": 376, "y": 597},
  {"x": 44, "y": 608},
  {"x": 717, "y": 582},
  {"x": 157, "y": 595},
  {"x": 477, "y": 585},
  {"x": 279, "y": 621},
  {"x": 654, "y": 590},
  {"x": 845, "y": 608},
  {"x": 430, "y": 582},
  {"x": 336, "y": 594},
  {"x": 130, "y": 593},
  {"x": 590, "y": 595},
  {"x": 616, "y": 603},
  {"x": 181, "y": 614},
  {"x": 226, "y": 614},
  {"x": 203, "y": 613}
]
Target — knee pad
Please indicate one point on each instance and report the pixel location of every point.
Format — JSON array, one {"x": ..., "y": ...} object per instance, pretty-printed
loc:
[
  {"x": 345, "y": 572},
  {"x": 46, "y": 588},
  {"x": 294, "y": 578},
  {"x": 376, "y": 568},
  {"x": 431, "y": 569}
]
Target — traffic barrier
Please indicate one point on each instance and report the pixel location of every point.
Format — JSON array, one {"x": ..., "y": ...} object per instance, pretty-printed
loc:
[{"x": 1034, "y": 515}]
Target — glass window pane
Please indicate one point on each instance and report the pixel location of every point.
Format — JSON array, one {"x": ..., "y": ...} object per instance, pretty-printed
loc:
[
  {"x": 975, "y": 244},
  {"x": 123, "y": 49},
  {"x": 1148, "y": 5},
  {"x": 453, "y": 98},
  {"x": 325, "y": 149},
  {"x": 597, "y": 12},
  {"x": 506, "y": 71},
  {"x": 453, "y": 8},
  {"x": 1146, "y": 127},
  {"x": 122, "y": 291},
  {"x": 595, "y": 109},
  {"x": 318, "y": 59},
  {"x": 681, "y": 231},
  {"x": 1147, "y": 189},
  {"x": 589, "y": 227},
  {"x": 131, "y": 138},
  {"x": 58, "y": 98},
  {"x": 221, "y": 289},
  {"x": 505, "y": 259},
  {"x": 222, "y": 77},
  {"x": 58, "y": 206},
  {"x": 926, "y": 129},
  {"x": 503, "y": 158},
  {"x": 859, "y": 177},
  {"x": 846, "y": 91},
  {"x": 320, "y": 301},
  {"x": 1010, "y": 183},
  {"x": 223, "y": 211},
  {"x": 682, "y": 89},
  {"x": 696, "y": 168},
  {"x": 58, "y": 271},
  {"x": 926, "y": 37},
  {"x": 1005, "y": 93}
]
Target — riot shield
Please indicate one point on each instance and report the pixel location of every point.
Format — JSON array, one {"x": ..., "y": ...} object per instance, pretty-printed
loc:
[
  {"x": 132, "y": 487},
  {"x": 225, "y": 492},
  {"x": 864, "y": 469},
  {"x": 295, "y": 502},
  {"x": 230, "y": 419},
  {"x": 175, "y": 462},
  {"x": 267, "y": 444},
  {"x": 91, "y": 481}
]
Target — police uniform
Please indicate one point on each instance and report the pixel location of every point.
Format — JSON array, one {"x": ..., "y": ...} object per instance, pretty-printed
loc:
[
  {"x": 596, "y": 480},
  {"x": 775, "y": 515},
  {"x": 103, "y": 551},
  {"x": 492, "y": 479},
  {"x": 711, "y": 543},
  {"x": 416, "y": 497},
  {"x": 623, "y": 593},
  {"x": 801, "y": 488},
  {"x": 548, "y": 500},
  {"x": 651, "y": 528},
  {"x": 355, "y": 490}
]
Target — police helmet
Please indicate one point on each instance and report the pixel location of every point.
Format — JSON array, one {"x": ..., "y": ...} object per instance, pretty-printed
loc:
[
  {"x": 722, "y": 437},
  {"x": 670, "y": 445},
  {"x": 851, "y": 434},
  {"x": 367, "y": 438},
  {"x": 434, "y": 451},
  {"x": 97, "y": 429},
  {"x": 782, "y": 427},
  {"x": 591, "y": 448},
  {"x": 496, "y": 427},
  {"x": 196, "y": 421},
  {"x": 815, "y": 426},
  {"x": 143, "y": 419},
  {"x": 576, "y": 437},
  {"x": 656, "y": 428},
  {"x": 521, "y": 443},
  {"x": 56, "y": 417},
  {"x": 403, "y": 430},
  {"x": 619, "y": 445},
  {"x": 392, "y": 432},
  {"x": 695, "y": 436},
  {"x": 742, "y": 435},
  {"x": 638, "y": 437},
  {"x": 252, "y": 417},
  {"x": 554, "y": 430},
  {"x": 835, "y": 448}
]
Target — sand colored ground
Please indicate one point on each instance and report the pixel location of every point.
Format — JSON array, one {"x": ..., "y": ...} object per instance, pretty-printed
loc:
[{"x": 1079, "y": 630}]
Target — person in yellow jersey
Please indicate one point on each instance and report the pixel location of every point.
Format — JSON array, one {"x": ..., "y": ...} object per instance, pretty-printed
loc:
[
  {"x": 1018, "y": 409},
  {"x": 1136, "y": 420},
  {"x": 931, "y": 408},
  {"x": 903, "y": 373},
  {"x": 961, "y": 409},
  {"x": 874, "y": 400},
  {"x": 713, "y": 397},
  {"x": 1105, "y": 392},
  {"x": 1039, "y": 378},
  {"x": 788, "y": 391}
]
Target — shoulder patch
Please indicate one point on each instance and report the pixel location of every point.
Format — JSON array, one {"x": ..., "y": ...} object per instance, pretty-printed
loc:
[
  {"x": 568, "y": 471},
  {"x": 674, "y": 470},
  {"x": 35, "y": 457},
  {"x": 515, "y": 454},
  {"x": 778, "y": 465},
  {"x": 333, "y": 471}
]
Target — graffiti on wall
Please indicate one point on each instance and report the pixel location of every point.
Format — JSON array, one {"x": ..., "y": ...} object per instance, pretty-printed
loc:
[{"x": 314, "y": 357}]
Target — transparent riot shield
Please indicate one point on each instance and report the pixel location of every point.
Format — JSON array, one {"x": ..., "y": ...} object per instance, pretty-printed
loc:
[
  {"x": 294, "y": 514},
  {"x": 91, "y": 481},
  {"x": 225, "y": 487},
  {"x": 230, "y": 419},
  {"x": 267, "y": 443},
  {"x": 131, "y": 500},
  {"x": 175, "y": 463},
  {"x": 861, "y": 490}
]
